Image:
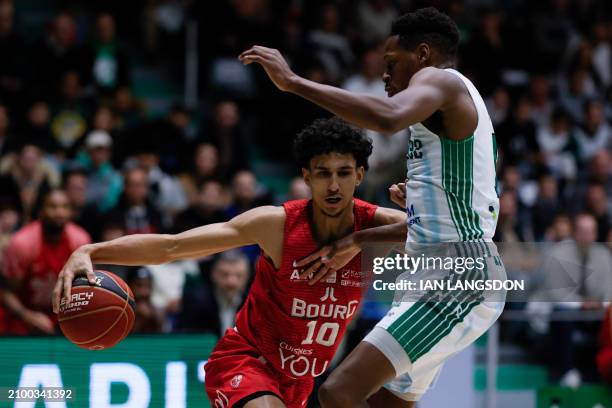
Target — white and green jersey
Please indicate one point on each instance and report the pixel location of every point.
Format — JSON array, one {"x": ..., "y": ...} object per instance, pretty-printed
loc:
[{"x": 450, "y": 187}]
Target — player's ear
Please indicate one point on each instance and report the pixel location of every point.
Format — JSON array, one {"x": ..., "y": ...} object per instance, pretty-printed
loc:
[
  {"x": 306, "y": 176},
  {"x": 360, "y": 173},
  {"x": 424, "y": 53}
]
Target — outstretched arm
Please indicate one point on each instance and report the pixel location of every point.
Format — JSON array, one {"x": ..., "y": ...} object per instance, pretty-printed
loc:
[
  {"x": 390, "y": 228},
  {"x": 151, "y": 249},
  {"x": 425, "y": 95}
]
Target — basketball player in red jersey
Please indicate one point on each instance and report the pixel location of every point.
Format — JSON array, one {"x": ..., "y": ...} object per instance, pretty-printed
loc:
[{"x": 288, "y": 331}]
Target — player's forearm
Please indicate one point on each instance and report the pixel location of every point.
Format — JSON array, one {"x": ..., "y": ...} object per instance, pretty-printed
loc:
[
  {"x": 154, "y": 249},
  {"x": 366, "y": 111},
  {"x": 139, "y": 249},
  {"x": 394, "y": 233}
]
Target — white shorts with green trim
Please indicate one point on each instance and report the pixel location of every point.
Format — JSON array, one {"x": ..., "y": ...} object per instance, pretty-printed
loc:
[{"x": 418, "y": 337}]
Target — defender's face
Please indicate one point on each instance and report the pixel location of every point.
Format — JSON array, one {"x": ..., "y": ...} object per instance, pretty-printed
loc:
[
  {"x": 400, "y": 66},
  {"x": 332, "y": 178}
]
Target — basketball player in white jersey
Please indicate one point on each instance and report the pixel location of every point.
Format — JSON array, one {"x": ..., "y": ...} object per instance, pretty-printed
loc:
[{"x": 449, "y": 194}]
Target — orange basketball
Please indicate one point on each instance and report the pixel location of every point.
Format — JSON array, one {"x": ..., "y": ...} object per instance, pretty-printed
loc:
[{"x": 98, "y": 316}]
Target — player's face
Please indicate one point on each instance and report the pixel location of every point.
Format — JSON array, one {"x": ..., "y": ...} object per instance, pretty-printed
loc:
[
  {"x": 400, "y": 66},
  {"x": 332, "y": 179}
]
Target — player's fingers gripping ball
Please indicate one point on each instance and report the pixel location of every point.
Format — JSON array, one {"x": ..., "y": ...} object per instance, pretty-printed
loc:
[{"x": 97, "y": 316}]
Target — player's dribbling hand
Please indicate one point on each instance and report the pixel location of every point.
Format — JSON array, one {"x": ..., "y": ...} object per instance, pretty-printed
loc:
[
  {"x": 79, "y": 263},
  {"x": 329, "y": 259},
  {"x": 397, "y": 194},
  {"x": 273, "y": 63}
]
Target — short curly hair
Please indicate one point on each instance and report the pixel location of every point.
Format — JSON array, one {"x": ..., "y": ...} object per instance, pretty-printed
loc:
[
  {"x": 332, "y": 135},
  {"x": 430, "y": 26}
]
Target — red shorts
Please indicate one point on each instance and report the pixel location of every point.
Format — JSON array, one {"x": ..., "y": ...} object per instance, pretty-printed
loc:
[{"x": 236, "y": 374}]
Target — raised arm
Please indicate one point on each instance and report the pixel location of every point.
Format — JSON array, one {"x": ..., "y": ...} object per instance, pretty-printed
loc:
[
  {"x": 428, "y": 91},
  {"x": 151, "y": 249}
]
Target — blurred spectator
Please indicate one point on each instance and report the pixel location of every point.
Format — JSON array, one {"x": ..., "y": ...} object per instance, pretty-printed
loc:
[
  {"x": 559, "y": 146},
  {"x": 540, "y": 99},
  {"x": 166, "y": 192},
  {"x": 329, "y": 46},
  {"x": 7, "y": 141},
  {"x": 208, "y": 209},
  {"x": 575, "y": 92},
  {"x": 604, "y": 357},
  {"x": 596, "y": 204},
  {"x": 37, "y": 127},
  {"x": 168, "y": 282},
  {"x": 486, "y": 40},
  {"x": 104, "y": 183},
  {"x": 34, "y": 258},
  {"x": 109, "y": 62},
  {"x": 298, "y": 190},
  {"x": 595, "y": 134},
  {"x": 135, "y": 211},
  {"x": 70, "y": 113},
  {"x": 58, "y": 52},
  {"x": 247, "y": 194},
  {"x": 227, "y": 135},
  {"x": 510, "y": 228},
  {"x": 9, "y": 222},
  {"x": 149, "y": 319},
  {"x": 104, "y": 119},
  {"x": 546, "y": 206},
  {"x": 498, "y": 106},
  {"x": 560, "y": 230},
  {"x": 583, "y": 60},
  {"x": 602, "y": 53},
  {"x": 83, "y": 214},
  {"x": 552, "y": 29},
  {"x": 211, "y": 306},
  {"x": 205, "y": 167},
  {"x": 517, "y": 138},
  {"x": 31, "y": 173},
  {"x": 374, "y": 19},
  {"x": 14, "y": 69},
  {"x": 128, "y": 110},
  {"x": 575, "y": 275},
  {"x": 368, "y": 79}
]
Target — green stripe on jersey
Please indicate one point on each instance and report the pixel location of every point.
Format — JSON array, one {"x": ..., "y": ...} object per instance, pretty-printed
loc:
[{"x": 458, "y": 183}]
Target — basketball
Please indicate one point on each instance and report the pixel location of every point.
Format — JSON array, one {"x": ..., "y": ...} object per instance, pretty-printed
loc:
[{"x": 98, "y": 316}]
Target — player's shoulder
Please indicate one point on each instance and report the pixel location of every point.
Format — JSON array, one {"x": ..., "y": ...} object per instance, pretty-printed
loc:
[
  {"x": 266, "y": 213},
  {"x": 438, "y": 76}
]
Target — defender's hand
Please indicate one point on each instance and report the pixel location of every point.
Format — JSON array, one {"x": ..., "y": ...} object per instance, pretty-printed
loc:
[
  {"x": 329, "y": 259},
  {"x": 397, "y": 194},
  {"x": 273, "y": 63},
  {"x": 78, "y": 264}
]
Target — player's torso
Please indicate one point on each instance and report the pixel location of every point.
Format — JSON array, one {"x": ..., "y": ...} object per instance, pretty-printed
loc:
[
  {"x": 298, "y": 327},
  {"x": 450, "y": 186}
]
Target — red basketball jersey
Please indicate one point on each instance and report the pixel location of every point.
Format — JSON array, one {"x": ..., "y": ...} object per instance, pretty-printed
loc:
[{"x": 295, "y": 326}]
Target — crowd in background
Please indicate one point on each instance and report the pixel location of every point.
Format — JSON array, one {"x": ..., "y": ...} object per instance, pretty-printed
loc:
[{"x": 84, "y": 159}]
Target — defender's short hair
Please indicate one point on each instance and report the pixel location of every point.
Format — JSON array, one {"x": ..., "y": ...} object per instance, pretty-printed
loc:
[{"x": 430, "y": 26}]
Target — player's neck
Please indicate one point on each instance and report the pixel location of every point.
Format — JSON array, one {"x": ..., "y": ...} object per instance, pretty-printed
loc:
[{"x": 327, "y": 229}]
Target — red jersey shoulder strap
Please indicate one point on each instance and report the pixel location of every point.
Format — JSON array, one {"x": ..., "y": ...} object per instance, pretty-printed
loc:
[{"x": 364, "y": 214}]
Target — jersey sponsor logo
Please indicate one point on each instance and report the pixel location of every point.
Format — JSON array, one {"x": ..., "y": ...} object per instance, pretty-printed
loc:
[
  {"x": 301, "y": 308},
  {"x": 300, "y": 366},
  {"x": 414, "y": 149},
  {"x": 221, "y": 401},
  {"x": 329, "y": 294},
  {"x": 411, "y": 215},
  {"x": 295, "y": 277},
  {"x": 235, "y": 383}
]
